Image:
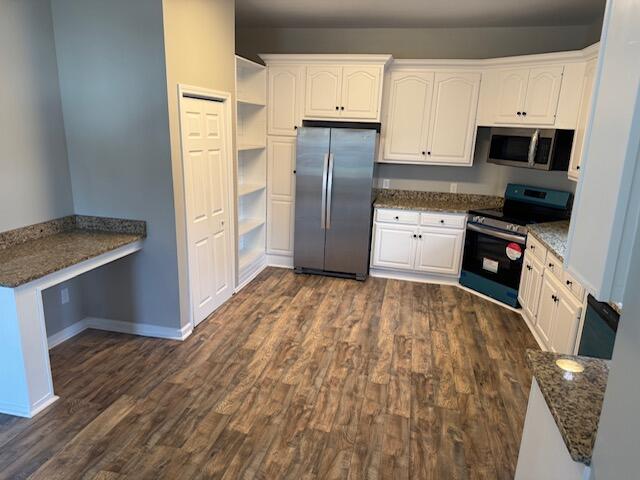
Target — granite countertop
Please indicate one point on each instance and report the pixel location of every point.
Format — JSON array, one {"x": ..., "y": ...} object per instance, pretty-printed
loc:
[
  {"x": 574, "y": 399},
  {"x": 434, "y": 201},
  {"x": 29, "y": 253},
  {"x": 553, "y": 235}
]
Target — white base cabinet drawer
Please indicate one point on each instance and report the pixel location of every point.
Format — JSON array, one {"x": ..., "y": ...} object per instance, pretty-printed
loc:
[
  {"x": 406, "y": 217},
  {"x": 442, "y": 220}
]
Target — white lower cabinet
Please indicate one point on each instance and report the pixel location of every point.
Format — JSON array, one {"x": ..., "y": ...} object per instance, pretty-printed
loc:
[
  {"x": 551, "y": 302},
  {"x": 403, "y": 240},
  {"x": 281, "y": 163}
]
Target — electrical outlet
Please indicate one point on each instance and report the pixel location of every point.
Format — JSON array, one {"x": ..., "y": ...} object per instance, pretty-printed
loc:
[
  {"x": 453, "y": 188},
  {"x": 64, "y": 295},
  {"x": 385, "y": 183}
]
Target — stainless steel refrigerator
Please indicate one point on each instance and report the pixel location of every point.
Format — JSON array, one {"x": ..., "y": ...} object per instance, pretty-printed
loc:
[{"x": 334, "y": 174}]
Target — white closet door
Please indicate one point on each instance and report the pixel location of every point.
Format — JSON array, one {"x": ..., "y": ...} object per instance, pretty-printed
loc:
[
  {"x": 206, "y": 158},
  {"x": 281, "y": 153},
  {"x": 453, "y": 118},
  {"x": 360, "y": 92},
  {"x": 512, "y": 92},
  {"x": 284, "y": 102},
  {"x": 543, "y": 91},
  {"x": 324, "y": 84},
  {"x": 408, "y": 116}
]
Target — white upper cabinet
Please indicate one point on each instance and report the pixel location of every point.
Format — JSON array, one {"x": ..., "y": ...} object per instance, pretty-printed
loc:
[
  {"x": 511, "y": 94},
  {"x": 528, "y": 95},
  {"x": 543, "y": 91},
  {"x": 410, "y": 96},
  {"x": 453, "y": 118},
  {"x": 431, "y": 117},
  {"x": 345, "y": 92},
  {"x": 583, "y": 119},
  {"x": 324, "y": 92},
  {"x": 285, "y": 98},
  {"x": 360, "y": 92}
]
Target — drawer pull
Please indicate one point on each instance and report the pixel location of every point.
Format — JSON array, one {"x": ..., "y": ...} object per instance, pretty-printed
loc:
[
  {"x": 442, "y": 221},
  {"x": 551, "y": 265},
  {"x": 415, "y": 236},
  {"x": 569, "y": 282},
  {"x": 533, "y": 247},
  {"x": 397, "y": 217},
  {"x": 419, "y": 236}
]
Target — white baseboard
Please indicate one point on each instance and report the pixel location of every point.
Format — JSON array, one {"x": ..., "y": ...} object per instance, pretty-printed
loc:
[
  {"x": 25, "y": 411},
  {"x": 533, "y": 331},
  {"x": 143, "y": 329},
  {"x": 248, "y": 280},
  {"x": 281, "y": 261},
  {"x": 67, "y": 333}
]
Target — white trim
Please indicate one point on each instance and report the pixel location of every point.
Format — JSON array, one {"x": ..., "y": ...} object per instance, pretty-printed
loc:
[
  {"x": 279, "y": 261},
  {"x": 413, "y": 277},
  {"x": 66, "y": 333},
  {"x": 143, "y": 329},
  {"x": 533, "y": 331},
  {"x": 251, "y": 277},
  {"x": 322, "y": 58},
  {"x": 20, "y": 411},
  {"x": 226, "y": 99}
]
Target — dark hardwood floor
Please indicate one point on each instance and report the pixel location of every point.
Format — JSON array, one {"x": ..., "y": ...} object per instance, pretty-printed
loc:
[{"x": 296, "y": 377}]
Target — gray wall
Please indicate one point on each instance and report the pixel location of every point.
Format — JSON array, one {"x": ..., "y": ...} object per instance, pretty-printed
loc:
[
  {"x": 417, "y": 42},
  {"x": 114, "y": 96},
  {"x": 34, "y": 175},
  {"x": 200, "y": 51}
]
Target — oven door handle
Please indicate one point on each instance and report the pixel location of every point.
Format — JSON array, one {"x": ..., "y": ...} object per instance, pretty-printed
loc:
[{"x": 498, "y": 234}]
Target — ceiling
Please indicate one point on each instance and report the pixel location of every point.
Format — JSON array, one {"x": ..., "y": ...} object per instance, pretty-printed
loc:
[{"x": 416, "y": 13}]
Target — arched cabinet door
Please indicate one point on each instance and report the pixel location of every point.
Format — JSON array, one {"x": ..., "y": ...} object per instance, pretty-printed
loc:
[
  {"x": 512, "y": 92},
  {"x": 453, "y": 118},
  {"x": 324, "y": 83},
  {"x": 543, "y": 91},
  {"x": 284, "y": 105},
  {"x": 360, "y": 92}
]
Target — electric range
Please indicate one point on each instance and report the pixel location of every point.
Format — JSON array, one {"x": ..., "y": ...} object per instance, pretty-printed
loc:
[{"x": 496, "y": 239}]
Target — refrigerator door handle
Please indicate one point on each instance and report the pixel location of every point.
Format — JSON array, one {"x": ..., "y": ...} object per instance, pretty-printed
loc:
[
  {"x": 329, "y": 192},
  {"x": 323, "y": 202}
]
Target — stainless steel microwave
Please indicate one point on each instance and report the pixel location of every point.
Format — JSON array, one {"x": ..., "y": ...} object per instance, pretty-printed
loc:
[{"x": 542, "y": 149}]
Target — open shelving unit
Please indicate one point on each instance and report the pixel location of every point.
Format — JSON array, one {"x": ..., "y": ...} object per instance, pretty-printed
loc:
[{"x": 251, "y": 157}]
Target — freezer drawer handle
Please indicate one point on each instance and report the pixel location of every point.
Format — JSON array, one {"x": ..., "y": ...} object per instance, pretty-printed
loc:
[
  {"x": 323, "y": 203},
  {"x": 329, "y": 191}
]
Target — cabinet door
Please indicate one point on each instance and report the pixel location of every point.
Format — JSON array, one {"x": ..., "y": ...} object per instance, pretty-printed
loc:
[
  {"x": 439, "y": 250},
  {"x": 511, "y": 94},
  {"x": 546, "y": 309},
  {"x": 535, "y": 285},
  {"x": 525, "y": 282},
  {"x": 360, "y": 92},
  {"x": 583, "y": 119},
  {"x": 324, "y": 85},
  {"x": 284, "y": 102},
  {"x": 394, "y": 246},
  {"x": 408, "y": 116},
  {"x": 453, "y": 118},
  {"x": 543, "y": 90},
  {"x": 565, "y": 327},
  {"x": 281, "y": 157}
]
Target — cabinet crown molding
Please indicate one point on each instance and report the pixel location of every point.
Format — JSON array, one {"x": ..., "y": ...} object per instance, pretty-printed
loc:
[{"x": 324, "y": 59}]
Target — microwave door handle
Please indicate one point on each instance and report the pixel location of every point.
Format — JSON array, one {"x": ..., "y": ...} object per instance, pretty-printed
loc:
[{"x": 533, "y": 147}]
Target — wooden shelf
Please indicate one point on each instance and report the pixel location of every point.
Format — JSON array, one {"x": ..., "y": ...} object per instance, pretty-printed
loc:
[
  {"x": 247, "y": 225},
  {"x": 246, "y": 147},
  {"x": 252, "y": 102},
  {"x": 248, "y": 188}
]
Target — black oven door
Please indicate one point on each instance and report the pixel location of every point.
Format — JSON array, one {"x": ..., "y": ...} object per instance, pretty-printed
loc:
[{"x": 492, "y": 262}]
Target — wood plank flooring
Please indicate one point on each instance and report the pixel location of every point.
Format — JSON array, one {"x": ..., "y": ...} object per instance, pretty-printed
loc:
[{"x": 296, "y": 377}]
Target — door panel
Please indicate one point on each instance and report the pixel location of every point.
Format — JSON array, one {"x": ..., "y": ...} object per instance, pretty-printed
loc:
[
  {"x": 453, "y": 118},
  {"x": 546, "y": 310},
  {"x": 583, "y": 119},
  {"x": 565, "y": 328},
  {"x": 408, "y": 118},
  {"x": 512, "y": 91},
  {"x": 324, "y": 85},
  {"x": 394, "y": 246},
  {"x": 312, "y": 151},
  {"x": 360, "y": 92},
  {"x": 543, "y": 91},
  {"x": 206, "y": 176},
  {"x": 535, "y": 286},
  {"x": 349, "y": 201},
  {"x": 280, "y": 231},
  {"x": 281, "y": 152},
  {"x": 439, "y": 251},
  {"x": 285, "y": 95}
]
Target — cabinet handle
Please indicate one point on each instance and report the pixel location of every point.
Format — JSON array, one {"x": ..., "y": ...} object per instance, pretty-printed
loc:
[
  {"x": 415, "y": 236},
  {"x": 341, "y": 108},
  {"x": 551, "y": 266},
  {"x": 529, "y": 267},
  {"x": 295, "y": 127},
  {"x": 533, "y": 247},
  {"x": 428, "y": 153},
  {"x": 524, "y": 114},
  {"x": 424, "y": 153},
  {"x": 337, "y": 108},
  {"x": 294, "y": 172},
  {"x": 419, "y": 236},
  {"x": 569, "y": 282},
  {"x": 577, "y": 167},
  {"x": 519, "y": 113},
  {"x": 396, "y": 217},
  {"x": 442, "y": 221}
]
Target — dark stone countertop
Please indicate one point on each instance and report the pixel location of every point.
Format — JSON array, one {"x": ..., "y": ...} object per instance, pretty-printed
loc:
[
  {"x": 553, "y": 235},
  {"x": 574, "y": 399},
  {"x": 434, "y": 201},
  {"x": 32, "y": 252}
]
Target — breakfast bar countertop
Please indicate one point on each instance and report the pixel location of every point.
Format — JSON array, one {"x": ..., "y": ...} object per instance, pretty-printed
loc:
[
  {"x": 434, "y": 201},
  {"x": 30, "y": 253},
  {"x": 574, "y": 399}
]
